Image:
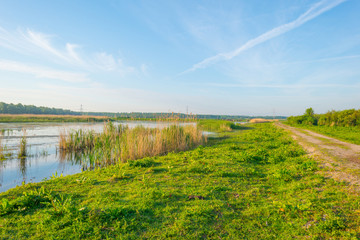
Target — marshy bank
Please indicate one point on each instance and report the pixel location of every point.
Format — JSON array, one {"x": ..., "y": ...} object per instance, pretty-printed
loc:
[
  {"x": 43, "y": 157},
  {"x": 120, "y": 143}
]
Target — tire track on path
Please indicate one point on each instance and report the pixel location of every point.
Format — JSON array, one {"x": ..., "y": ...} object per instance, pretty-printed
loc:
[{"x": 340, "y": 159}]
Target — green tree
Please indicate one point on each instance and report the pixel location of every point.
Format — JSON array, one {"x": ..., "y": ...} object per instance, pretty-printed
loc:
[{"x": 309, "y": 112}]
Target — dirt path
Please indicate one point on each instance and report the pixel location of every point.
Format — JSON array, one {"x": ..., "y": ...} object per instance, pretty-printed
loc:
[{"x": 341, "y": 159}]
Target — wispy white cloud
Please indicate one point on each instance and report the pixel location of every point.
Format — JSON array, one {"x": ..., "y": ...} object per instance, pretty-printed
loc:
[
  {"x": 283, "y": 86},
  {"x": 41, "y": 72},
  {"x": 328, "y": 59},
  {"x": 313, "y": 12},
  {"x": 107, "y": 62},
  {"x": 33, "y": 42}
]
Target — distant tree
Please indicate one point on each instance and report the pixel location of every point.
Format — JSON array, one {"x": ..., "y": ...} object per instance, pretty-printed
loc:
[
  {"x": 309, "y": 112},
  {"x": 31, "y": 109}
]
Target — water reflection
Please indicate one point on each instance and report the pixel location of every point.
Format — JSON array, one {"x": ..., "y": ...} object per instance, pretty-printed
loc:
[{"x": 22, "y": 167}]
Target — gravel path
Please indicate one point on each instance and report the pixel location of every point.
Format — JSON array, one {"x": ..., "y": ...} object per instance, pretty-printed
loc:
[{"x": 341, "y": 159}]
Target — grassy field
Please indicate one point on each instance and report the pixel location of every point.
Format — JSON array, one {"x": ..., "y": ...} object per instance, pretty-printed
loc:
[
  {"x": 50, "y": 118},
  {"x": 245, "y": 184},
  {"x": 348, "y": 134}
]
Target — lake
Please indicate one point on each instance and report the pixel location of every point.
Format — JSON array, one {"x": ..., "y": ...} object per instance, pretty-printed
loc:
[{"x": 43, "y": 157}]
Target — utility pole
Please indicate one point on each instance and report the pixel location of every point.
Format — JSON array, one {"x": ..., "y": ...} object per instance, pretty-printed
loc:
[{"x": 81, "y": 109}]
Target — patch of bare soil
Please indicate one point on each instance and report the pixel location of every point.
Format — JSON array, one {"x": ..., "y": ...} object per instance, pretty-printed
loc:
[
  {"x": 262, "y": 120},
  {"x": 342, "y": 159}
]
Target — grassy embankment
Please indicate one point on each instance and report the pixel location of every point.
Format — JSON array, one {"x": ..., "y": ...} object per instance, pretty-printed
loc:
[
  {"x": 349, "y": 134},
  {"x": 50, "y": 118},
  {"x": 248, "y": 184}
]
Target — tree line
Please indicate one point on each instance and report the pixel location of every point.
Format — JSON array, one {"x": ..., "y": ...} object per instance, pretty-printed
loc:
[
  {"x": 31, "y": 109},
  {"x": 345, "y": 118}
]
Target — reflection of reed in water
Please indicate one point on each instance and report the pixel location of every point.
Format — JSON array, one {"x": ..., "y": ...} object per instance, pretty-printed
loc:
[
  {"x": 2, "y": 148},
  {"x": 22, "y": 167},
  {"x": 75, "y": 158},
  {"x": 1, "y": 172}
]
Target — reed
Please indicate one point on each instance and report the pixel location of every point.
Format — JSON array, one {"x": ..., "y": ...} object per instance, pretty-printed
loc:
[
  {"x": 22, "y": 148},
  {"x": 121, "y": 144}
]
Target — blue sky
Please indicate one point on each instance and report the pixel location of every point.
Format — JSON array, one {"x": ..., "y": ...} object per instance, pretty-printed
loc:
[{"x": 214, "y": 57}]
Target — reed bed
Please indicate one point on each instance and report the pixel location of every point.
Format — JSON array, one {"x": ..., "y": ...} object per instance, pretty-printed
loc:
[{"x": 121, "y": 144}]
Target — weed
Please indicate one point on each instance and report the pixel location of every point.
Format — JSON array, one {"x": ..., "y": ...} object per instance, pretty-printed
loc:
[
  {"x": 55, "y": 175},
  {"x": 60, "y": 204},
  {"x": 5, "y": 207}
]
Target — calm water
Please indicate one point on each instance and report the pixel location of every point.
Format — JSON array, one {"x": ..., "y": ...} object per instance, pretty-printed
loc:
[{"x": 43, "y": 158}]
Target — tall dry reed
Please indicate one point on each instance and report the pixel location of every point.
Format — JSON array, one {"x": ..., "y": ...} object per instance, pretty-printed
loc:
[{"x": 121, "y": 144}]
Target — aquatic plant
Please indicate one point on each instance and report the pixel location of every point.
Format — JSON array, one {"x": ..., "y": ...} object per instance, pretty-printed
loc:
[{"x": 22, "y": 148}]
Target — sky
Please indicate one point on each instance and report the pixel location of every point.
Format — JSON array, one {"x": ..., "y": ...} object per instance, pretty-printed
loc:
[{"x": 236, "y": 57}]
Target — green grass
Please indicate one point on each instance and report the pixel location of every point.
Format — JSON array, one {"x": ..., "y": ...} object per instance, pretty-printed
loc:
[
  {"x": 348, "y": 134},
  {"x": 249, "y": 184},
  {"x": 217, "y": 125}
]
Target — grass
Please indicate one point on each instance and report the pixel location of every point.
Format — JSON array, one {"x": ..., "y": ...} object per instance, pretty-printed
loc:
[
  {"x": 348, "y": 134},
  {"x": 217, "y": 125},
  {"x": 50, "y": 118},
  {"x": 249, "y": 184},
  {"x": 121, "y": 144}
]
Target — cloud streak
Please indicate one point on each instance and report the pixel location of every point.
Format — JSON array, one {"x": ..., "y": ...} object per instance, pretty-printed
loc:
[
  {"x": 42, "y": 41},
  {"x": 313, "y": 12},
  {"x": 41, "y": 72},
  {"x": 284, "y": 86}
]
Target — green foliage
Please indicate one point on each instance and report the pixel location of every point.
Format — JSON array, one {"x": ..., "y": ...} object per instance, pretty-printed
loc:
[
  {"x": 31, "y": 109},
  {"x": 217, "y": 125},
  {"x": 344, "y": 125},
  {"x": 345, "y": 118},
  {"x": 249, "y": 184},
  {"x": 309, "y": 112},
  {"x": 144, "y": 163}
]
